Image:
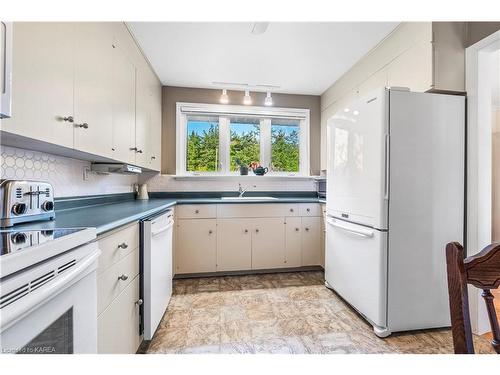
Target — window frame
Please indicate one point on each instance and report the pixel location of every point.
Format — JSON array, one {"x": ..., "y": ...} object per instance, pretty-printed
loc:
[{"x": 225, "y": 112}]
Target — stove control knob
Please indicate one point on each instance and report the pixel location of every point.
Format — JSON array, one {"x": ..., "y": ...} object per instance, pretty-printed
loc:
[
  {"x": 48, "y": 206},
  {"x": 19, "y": 208},
  {"x": 18, "y": 238}
]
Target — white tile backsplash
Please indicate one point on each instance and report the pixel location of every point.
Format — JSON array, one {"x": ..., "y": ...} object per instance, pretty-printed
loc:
[
  {"x": 158, "y": 183},
  {"x": 65, "y": 174}
]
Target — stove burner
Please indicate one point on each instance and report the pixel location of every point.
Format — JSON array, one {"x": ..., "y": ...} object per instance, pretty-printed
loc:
[{"x": 17, "y": 240}]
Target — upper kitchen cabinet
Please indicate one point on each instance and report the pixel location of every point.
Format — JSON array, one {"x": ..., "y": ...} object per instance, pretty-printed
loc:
[
  {"x": 93, "y": 89},
  {"x": 123, "y": 77},
  {"x": 42, "y": 76},
  {"x": 84, "y": 90}
]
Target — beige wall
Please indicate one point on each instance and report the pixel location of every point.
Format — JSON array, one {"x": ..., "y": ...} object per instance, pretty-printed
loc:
[{"x": 172, "y": 95}]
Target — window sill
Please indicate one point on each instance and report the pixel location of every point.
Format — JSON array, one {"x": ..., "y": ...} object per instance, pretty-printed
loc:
[{"x": 249, "y": 177}]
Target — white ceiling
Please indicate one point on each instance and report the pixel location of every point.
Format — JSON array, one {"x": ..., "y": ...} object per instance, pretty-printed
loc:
[{"x": 299, "y": 57}]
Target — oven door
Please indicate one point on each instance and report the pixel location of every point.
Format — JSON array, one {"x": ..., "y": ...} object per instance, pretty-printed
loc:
[{"x": 54, "y": 316}]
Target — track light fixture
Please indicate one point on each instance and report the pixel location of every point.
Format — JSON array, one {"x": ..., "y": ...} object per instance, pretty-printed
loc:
[
  {"x": 269, "y": 100},
  {"x": 247, "y": 99},
  {"x": 224, "y": 99}
]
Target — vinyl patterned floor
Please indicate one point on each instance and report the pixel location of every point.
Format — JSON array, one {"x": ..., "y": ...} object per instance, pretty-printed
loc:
[{"x": 277, "y": 313}]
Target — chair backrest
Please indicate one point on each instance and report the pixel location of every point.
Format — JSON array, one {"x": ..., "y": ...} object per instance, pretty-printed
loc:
[{"x": 481, "y": 270}]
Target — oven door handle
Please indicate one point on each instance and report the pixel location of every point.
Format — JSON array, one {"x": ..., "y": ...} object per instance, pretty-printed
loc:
[{"x": 18, "y": 310}]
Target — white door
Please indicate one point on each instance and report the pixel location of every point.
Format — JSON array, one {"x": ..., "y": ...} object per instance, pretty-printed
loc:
[
  {"x": 93, "y": 89},
  {"x": 234, "y": 244},
  {"x": 311, "y": 237},
  {"x": 123, "y": 105},
  {"x": 42, "y": 82},
  {"x": 197, "y": 245},
  {"x": 356, "y": 267},
  {"x": 268, "y": 243},
  {"x": 357, "y": 165},
  {"x": 157, "y": 272},
  {"x": 293, "y": 241}
]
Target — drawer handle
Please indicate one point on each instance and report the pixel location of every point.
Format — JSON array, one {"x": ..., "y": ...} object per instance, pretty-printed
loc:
[
  {"x": 308, "y": 210},
  {"x": 139, "y": 302},
  {"x": 82, "y": 126},
  {"x": 123, "y": 277},
  {"x": 123, "y": 245},
  {"x": 196, "y": 211}
]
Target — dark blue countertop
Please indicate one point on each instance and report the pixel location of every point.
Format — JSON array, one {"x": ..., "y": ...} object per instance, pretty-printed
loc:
[{"x": 104, "y": 216}]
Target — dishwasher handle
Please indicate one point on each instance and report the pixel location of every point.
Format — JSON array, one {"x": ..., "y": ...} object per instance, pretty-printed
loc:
[{"x": 163, "y": 229}]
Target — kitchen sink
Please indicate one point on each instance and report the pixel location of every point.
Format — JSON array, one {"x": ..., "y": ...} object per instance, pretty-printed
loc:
[{"x": 248, "y": 198}]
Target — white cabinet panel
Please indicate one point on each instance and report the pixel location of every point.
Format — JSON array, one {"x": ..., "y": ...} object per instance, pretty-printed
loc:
[
  {"x": 118, "y": 325},
  {"x": 42, "y": 79},
  {"x": 93, "y": 88},
  {"x": 311, "y": 227},
  {"x": 123, "y": 105},
  {"x": 197, "y": 245},
  {"x": 234, "y": 244},
  {"x": 293, "y": 242},
  {"x": 268, "y": 243},
  {"x": 196, "y": 211}
]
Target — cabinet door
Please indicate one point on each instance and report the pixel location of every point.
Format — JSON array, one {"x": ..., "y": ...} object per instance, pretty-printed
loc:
[
  {"x": 155, "y": 152},
  {"x": 311, "y": 227},
  {"x": 197, "y": 245},
  {"x": 42, "y": 79},
  {"x": 293, "y": 242},
  {"x": 268, "y": 243},
  {"x": 123, "y": 104},
  {"x": 234, "y": 244},
  {"x": 118, "y": 325},
  {"x": 93, "y": 88},
  {"x": 144, "y": 97}
]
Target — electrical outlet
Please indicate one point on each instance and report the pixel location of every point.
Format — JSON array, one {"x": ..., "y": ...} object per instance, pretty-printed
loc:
[{"x": 86, "y": 173}]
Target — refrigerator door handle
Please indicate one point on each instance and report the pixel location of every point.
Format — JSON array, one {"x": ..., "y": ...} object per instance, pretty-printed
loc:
[
  {"x": 358, "y": 232},
  {"x": 387, "y": 157}
]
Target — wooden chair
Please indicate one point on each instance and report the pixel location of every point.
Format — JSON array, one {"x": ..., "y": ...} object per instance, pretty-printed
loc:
[{"x": 481, "y": 270}]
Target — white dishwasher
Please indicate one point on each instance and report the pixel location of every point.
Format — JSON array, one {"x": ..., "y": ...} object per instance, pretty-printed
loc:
[{"x": 156, "y": 269}]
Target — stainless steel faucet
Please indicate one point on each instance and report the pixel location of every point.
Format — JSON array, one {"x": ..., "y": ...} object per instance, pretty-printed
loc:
[{"x": 243, "y": 191}]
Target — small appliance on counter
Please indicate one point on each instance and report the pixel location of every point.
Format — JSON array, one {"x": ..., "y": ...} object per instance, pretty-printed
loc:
[
  {"x": 321, "y": 187},
  {"x": 25, "y": 201}
]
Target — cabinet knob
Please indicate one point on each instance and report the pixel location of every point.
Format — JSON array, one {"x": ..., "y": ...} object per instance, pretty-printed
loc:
[
  {"x": 136, "y": 150},
  {"x": 291, "y": 209},
  {"x": 153, "y": 157},
  {"x": 123, "y": 245},
  {"x": 139, "y": 302},
  {"x": 246, "y": 230},
  {"x": 196, "y": 211},
  {"x": 307, "y": 229},
  {"x": 296, "y": 229},
  {"x": 308, "y": 210},
  {"x": 68, "y": 119},
  {"x": 139, "y": 151},
  {"x": 256, "y": 231},
  {"x": 210, "y": 231},
  {"x": 82, "y": 126},
  {"x": 123, "y": 277}
]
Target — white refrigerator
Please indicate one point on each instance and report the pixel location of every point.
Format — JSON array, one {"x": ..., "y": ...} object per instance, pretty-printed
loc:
[{"x": 395, "y": 197}]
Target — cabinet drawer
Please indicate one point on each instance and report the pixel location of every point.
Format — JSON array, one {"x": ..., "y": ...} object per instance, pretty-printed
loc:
[
  {"x": 196, "y": 211},
  {"x": 118, "y": 325},
  {"x": 309, "y": 209},
  {"x": 108, "y": 283},
  {"x": 257, "y": 210},
  {"x": 117, "y": 245}
]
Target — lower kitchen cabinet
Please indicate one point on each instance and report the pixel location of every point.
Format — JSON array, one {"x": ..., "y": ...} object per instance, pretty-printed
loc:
[
  {"x": 293, "y": 242},
  {"x": 311, "y": 237},
  {"x": 234, "y": 244},
  {"x": 196, "y": 245},
  {"x": 118, "y": 325},
  {"x": 268, "y": 243}
]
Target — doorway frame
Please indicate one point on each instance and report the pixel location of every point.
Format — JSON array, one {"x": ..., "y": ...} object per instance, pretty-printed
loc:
[{"x": 479, "y": 171}]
